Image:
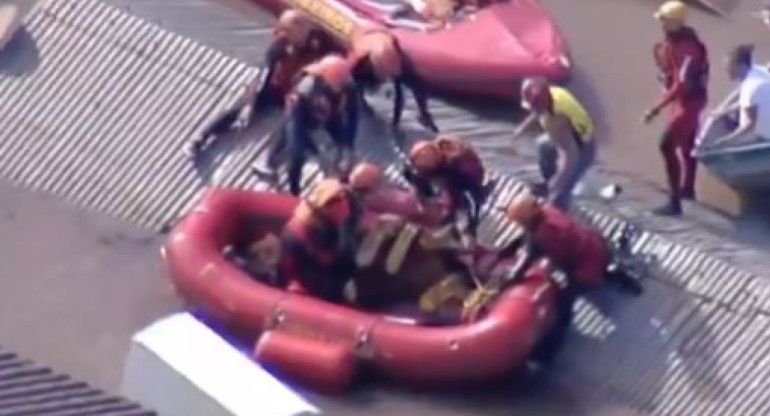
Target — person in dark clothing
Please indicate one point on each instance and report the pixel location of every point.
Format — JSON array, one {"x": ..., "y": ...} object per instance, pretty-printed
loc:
[
  {"x": 684, "y": 68},
  {"x": 458, "y": 170},
  {"x": 297, "y": 42},
  {"x": 377, "y": 59},
  {"x": 324, "y": 97}
]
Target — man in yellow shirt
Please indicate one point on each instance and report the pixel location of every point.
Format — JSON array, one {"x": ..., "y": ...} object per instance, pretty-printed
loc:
[{"x": 568, "y": 149}]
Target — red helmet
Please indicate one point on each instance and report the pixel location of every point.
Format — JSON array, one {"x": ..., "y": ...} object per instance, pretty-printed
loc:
[
  {"x": 523, "y": 210},
  {"x": 334, "y": 69},
  {"x": 536, "y": 95},
  {"x": 294, "y": 26},
  {"x": 425, "y": 155},
  {"x": 365, "y": 176}
]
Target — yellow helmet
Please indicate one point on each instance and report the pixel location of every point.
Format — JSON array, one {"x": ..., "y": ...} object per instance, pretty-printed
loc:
[{"x": 673, "y": 11}]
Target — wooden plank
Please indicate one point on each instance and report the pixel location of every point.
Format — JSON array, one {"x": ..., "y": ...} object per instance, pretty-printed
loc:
[{"x": 716, "y": 194}]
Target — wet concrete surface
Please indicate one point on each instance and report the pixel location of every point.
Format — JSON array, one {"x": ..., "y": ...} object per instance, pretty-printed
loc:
[
  {"x": 76, "y": 285},
  {"x": 611, "y": 43}
]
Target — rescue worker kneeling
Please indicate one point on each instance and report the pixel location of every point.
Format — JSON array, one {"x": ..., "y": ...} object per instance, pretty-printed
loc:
[
  {"x": 297, "y": 42},
  {"x": 318, "y": 242},
  {"x": 377, "y": 59},
  {"x": 454, "y": 167},
  {"x": 324, "y": 96},
  {"x": 579, "y": 250}
]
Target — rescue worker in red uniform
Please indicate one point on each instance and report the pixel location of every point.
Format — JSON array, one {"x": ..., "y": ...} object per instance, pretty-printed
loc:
[
  {"x": 457, "y": 169},
  {"x": 323, "y": 97},
  {"x": 578, "y": 250},
  {"x": 297, "y": 42},
  {"x": 683, "y": 63},
  {"x": 318, "y": 242},
  {"x": 377, "y": 59}
]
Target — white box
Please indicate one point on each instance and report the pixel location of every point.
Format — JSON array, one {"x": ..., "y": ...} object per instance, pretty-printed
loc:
[{"x": 179, "y": 367}]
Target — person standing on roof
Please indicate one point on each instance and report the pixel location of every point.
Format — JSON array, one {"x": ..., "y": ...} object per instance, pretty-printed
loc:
[
  {"x": 753, "y": 105},
  {"x": 377, "y": 59},
  {"x": 323, "y": 97},
  {"x": 297, "y": 42},
  {"x": 684, "y": 68},
  {"x": 568, "y": 148}
]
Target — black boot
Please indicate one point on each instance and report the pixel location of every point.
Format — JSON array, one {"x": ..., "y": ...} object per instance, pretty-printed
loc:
[
  {"x": 672, "y": 209},
  {"x": 625, "y": 282},
  {"x": 688, "y": 194}
]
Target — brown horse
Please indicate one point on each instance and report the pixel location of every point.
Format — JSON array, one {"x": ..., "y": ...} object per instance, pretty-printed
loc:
[{"x": 401, "y": 262}]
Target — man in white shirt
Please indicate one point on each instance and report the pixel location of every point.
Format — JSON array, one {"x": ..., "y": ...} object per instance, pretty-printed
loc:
[{"x": 753, "y": 104}]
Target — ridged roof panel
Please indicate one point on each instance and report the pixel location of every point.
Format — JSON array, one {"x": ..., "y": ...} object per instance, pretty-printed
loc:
[{"x": 101, "y": 121}]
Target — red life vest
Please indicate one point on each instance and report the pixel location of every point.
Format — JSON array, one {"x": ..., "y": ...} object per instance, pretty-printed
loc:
[
  {"x": 671, "y": 57},
  {"x": 463, "y": 160},
  {"x": 579, "y": 250}
]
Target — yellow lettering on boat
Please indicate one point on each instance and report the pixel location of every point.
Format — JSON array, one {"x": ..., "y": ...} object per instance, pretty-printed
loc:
[{"x": 327, "y": 16}]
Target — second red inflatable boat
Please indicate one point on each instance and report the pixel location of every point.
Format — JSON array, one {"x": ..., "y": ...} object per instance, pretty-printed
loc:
[
  {"x": 487, "y": 52},
  {"x": 322, "y": 344}
]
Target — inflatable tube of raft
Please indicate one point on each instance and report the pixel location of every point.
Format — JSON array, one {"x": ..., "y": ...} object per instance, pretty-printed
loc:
[
  {"x": 493, "y": 49},
  {"x": 490, "y": 347}
]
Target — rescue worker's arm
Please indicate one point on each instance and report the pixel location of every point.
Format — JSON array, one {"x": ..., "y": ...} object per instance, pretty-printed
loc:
[
  {"x": 524, "y": 125},
  {"x": 560, "y": 131},
  {"x": 730, "y": 105},
  {"x": 422, "y": 186},
  {"x": 686, "y": 79},
  {"x": 259, "y": 88},
  {"x": 748, "y": 119},
  {"x": 351, "y": 115}
]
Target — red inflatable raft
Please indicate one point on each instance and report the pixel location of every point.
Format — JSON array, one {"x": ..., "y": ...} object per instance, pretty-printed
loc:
[
  {"x": 487, "y": 52},
  {"x": 322, "y": 344}
]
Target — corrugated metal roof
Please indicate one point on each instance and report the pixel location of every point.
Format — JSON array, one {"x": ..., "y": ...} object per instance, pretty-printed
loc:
[
  {"x": 100, "y": 124},
  {"x": 27, "y": 389}
]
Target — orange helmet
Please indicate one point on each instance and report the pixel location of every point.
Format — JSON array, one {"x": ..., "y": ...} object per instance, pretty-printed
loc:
[
  {"x": 536, "y": 95},
  {"x": 327, "y": 198},
  {"x": 334, "y": 69},
  {"x": 380, "y": 48},
  {"x": 425, "y": 155},
  {"x": 295, "y": 26},
  {"x": 365, "y": 176},
  {"x": 523, "y": 209}
]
